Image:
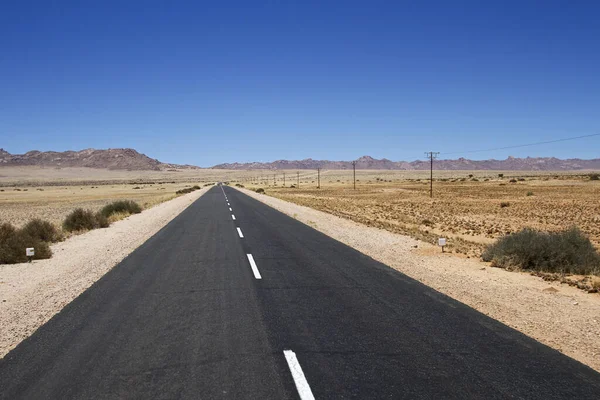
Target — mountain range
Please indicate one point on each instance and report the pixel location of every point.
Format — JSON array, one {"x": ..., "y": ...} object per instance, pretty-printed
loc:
[
  {"x": 130, "y": 159},
  {"x": 124, "y": 159},
  {"x": 367, "y": 162}
]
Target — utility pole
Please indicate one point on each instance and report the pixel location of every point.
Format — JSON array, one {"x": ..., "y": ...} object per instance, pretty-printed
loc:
[
  {"x": 318, "y": 178},
  {"x": 354, "y": 172},
  {"x": 432, "y": 155},
  {"x": 298, "y": 177}
]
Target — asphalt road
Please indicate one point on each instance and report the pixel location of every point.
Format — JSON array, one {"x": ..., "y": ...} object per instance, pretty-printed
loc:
[{"x": 190, "y": 315}]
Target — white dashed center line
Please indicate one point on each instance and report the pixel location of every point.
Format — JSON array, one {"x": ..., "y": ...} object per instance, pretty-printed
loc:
[
  {"x": 299, "y": 378},
  {"x": 253, "y": 266},
  {"x": 233, "y": 217},
  {"x": 230, "y": 209},
  {"x": 240, "y": 232}
]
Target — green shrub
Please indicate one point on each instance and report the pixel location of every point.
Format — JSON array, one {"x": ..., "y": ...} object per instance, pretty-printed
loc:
[
  {"x": 594, "y": 177},
  {"x": 83, "y": 220},
  {"x": 121, "y": 206},
  {"x": 42, "y": 230},
  {"x": 504, "y": 204},
  {"x": 500, "y": 175},
  {"x": 529, "y": 193},
  {"x": 13, "y": 243},
  {"x": 260, "y": 190},
  {"x": 569, "y": 252},
  {"x": 513, "y": 181}
]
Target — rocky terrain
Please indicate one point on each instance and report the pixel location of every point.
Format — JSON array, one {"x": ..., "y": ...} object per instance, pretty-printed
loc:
[
  {"x": 121, "y": 159},
  {"x": 461, "y": 164}
]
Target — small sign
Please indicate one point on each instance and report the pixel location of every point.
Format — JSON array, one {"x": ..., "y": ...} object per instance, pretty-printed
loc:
[
  {"x": 442, "y": 242},
  {"x": 30, "y": 252}
]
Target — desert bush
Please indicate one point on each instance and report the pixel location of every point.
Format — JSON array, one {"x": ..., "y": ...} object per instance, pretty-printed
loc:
[
  {"x": 239, "y": 185},
  {"x": 594, "y": 177},
  {"x": 513, "y": 180},
  {"x": 260, "y": 190},
  {"x": 500, "y": 175},
  {"x": 42, "y": 230},
  {"x": 120, "y": 206},
  {"x": 13, "y": 243},
  {"x": 84, "y": 220},
  {"x": 529, "y": 193},
  {"x": 188, "y": 190},
  {"x": 504, "y": 204},
  {"x": 521, "y": 179},
  {"x": 569, "y": 251},
  {"x": 101, "y": 220}
]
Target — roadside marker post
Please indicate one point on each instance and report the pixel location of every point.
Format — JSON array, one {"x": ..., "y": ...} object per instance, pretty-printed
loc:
[
  {"x": 442, "y": 243},
  {"x": 30, "y": 252}
]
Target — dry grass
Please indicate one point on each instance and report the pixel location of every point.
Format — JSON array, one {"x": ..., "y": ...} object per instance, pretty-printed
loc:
[
  {"x": 50, "y": 194},
  {"x": 470, "y": 213}
]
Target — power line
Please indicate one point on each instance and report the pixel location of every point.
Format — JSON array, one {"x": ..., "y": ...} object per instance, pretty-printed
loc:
[{"x": 523, "y": 145}]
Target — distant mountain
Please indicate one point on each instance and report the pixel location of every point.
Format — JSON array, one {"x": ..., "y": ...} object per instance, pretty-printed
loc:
[
  {"x": 127, "y": 159},
  {"x": 367, "y": 162}
]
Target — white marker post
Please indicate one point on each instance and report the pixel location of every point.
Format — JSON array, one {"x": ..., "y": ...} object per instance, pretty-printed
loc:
[
  {"x": 30, "y": 252},
  {"x": 442, "y": 243}
]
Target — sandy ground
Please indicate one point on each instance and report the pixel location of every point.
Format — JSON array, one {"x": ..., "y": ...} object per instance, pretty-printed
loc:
[
  {"x": 30, "y": 294},
  {"x": 559, "y": 316}
]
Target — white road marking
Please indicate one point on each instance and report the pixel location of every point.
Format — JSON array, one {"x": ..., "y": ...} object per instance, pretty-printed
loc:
[
  {"x": 230, "y": 209},
  {"x": 240, "y": 232},
  {"x": 233, "y": 217},
  {"x": 299, "y": 378},
  {"x": 253, "y": 266}
]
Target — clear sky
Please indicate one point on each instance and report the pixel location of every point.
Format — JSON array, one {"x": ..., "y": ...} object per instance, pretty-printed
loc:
[{"x": 221, "y": 81}]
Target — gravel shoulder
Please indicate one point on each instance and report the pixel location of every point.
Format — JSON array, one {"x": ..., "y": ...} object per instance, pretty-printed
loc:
[
  {"x": 30, "y": 294},
  {"x": 562, "y": 317}
]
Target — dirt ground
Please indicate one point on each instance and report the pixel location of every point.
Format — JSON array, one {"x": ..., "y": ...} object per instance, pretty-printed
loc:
[
  {"x": 469, "y": 211},
  {"x": 560, "y": 316}
]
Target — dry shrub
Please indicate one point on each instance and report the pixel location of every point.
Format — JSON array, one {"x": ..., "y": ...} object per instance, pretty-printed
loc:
[
  {"x": 122, "y": 207},
  {"x": 260, "y": 190},
  {"x": 42, "y": 230},
  {"x": 568, "y": 252},
  {"x": 13, "y": 243},
  {"x": 188, "y": 190},
  {"x": 84, "y": 220}
]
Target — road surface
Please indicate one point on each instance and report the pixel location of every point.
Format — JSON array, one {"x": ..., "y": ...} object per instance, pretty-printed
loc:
[{"x": 235, "y": 300}]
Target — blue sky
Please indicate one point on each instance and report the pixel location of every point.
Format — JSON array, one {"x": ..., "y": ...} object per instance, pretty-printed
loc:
[{"x": 211, "y": 82}]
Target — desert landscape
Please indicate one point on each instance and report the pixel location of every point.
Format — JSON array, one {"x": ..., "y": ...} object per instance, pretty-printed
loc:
[
  {"x": 470, "y": 208},
  {"x": 389, "y": 216}
]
